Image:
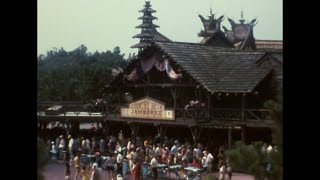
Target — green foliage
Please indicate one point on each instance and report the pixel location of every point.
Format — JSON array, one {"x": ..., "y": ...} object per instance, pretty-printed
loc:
[
  {"x": 75, "y": 75},
  {"x": 247, "y": 158},
  {"x": 42, "y": 156},
  {"x": 250, "y": 158},
  {"x": 276, "y": 107}
]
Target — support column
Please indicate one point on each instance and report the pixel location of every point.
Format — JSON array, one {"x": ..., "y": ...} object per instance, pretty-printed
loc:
[
  {"x": 243, "y": 130},
  {"x": 174, "y": 96},
  {"x": 209, "y": 106},
  {"x": 242, "y": 106},
  {"x": 161, "y": 129},
  {"x": 229, "y": 137},
  {"x": 134, "y": 131},
  {"x": 45, "y": 124},
  {"x": 106, "y": 127},
  {"x": 195, "y": 131}
]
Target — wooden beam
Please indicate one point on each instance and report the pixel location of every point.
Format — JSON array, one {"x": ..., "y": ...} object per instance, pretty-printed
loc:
[
  {"x": 229, "y": 137},
  {"x": 162, "y": 85}
]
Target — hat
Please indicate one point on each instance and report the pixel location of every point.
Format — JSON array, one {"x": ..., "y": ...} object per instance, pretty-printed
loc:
[
  {"x": 69, "y": 136},
  {"x": 94, "y": 165},
  {"x": 205, "y": 152},
  {"x": 52, "y": 142}
]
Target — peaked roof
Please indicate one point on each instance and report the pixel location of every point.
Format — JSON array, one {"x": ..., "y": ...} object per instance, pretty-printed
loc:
[{"x": 218, "y": 69}]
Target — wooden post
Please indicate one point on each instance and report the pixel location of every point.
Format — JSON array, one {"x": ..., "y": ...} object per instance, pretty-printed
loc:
[
  {"x": 195, "y": 131},
  {"x": 134, "y": 132},
  {"x": 209, "y": 104},
  {"x": 243, "y": 130},
  {"x": 229, "y": 137},
  {"x": 242, "y": 107},
  {"x": 106, "y": 128},
  {"x": 163, "y": 130},
  {"x": 174, "y": 96}
]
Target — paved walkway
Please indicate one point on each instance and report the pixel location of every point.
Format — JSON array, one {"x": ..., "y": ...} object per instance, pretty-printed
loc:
[{"x": 55, "y": 171}]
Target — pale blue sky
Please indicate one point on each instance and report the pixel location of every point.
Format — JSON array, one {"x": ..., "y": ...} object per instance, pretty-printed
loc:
[{"x": 104, "y": 24}]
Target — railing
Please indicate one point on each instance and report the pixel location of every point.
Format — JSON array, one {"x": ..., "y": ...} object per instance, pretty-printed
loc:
[
  {"x": 200, "y": 114},
  {"x": 236, "y": 114},
  {"x": 257, "y": 114},
  {"x": 63, "y": 108}
]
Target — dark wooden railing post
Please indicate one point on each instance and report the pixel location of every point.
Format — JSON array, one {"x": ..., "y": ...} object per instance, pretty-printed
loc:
[
  {"x": 243, "y": 131},
  {"x": 229, "y": 137},
  {"x": 242, "y": 106}
]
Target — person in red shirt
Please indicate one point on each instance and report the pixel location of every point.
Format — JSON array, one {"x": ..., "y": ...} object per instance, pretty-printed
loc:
[
  {"x": 136, "y": 171},
  {"x": 196, "y": 163}
]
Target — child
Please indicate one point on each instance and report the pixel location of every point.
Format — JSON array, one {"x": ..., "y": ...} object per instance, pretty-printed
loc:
[
  {"x": 229, "y": 171},
  {"x": 84, "y": 173},
  {"x": 222, "y": 171}
]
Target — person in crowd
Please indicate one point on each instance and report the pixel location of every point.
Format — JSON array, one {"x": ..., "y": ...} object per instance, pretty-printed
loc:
[
  {"x": 209, "y": 159},
  {"x": 221, "y": 158},
  {"x": 111, "y": 164},
  {"x": 119, "y": 163},
  {"x": 53, "y": 151},
  {"x": 61, "y": 147},
  {"x": 136, "y": 170},
  {"x": 67, "y": 164},
  {"x": 154, "y": 164},
  {"x": 77, "y": 166},
  {"x": 222, "y": 171},
  {"x": 229, "y": 171},
  {"x": 70, "y": 143},
  {"x": 196, "y": 163},
  {"x": 84, "y": 173},
  {"x": 95, "y": 174},
  {"x": 102, "y": 146}
]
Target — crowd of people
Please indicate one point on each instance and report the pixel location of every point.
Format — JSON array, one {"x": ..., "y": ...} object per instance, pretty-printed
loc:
[{"x": 134, "y": 157}]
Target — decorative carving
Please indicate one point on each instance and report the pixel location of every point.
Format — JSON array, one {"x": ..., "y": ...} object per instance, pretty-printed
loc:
[{"x": 210, "y": 25}]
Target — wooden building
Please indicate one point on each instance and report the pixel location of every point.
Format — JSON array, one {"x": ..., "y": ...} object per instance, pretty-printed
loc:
[
  {"x": 216, "y": 88},
  {"x": 208, "y": 91}
]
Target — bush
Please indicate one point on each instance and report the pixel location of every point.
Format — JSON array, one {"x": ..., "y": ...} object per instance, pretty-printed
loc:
[
  {"x": 42, "y": 156},
  {"x": 250, "y": 159}
]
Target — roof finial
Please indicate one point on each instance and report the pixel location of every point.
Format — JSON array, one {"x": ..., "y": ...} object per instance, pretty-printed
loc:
[
  {"x": 241, "y": 20},
  {"x": 211, "y": 8},
  {"x": 241, "y": 13}
]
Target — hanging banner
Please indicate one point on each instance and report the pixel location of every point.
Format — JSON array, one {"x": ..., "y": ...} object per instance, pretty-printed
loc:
[{"x": 147, "y": 108}]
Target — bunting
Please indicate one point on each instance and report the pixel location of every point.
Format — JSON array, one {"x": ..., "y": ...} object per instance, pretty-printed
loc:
[{"x": 159, "y": 63}]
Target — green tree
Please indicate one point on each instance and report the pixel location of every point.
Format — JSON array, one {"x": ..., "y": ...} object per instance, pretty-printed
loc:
[
  {"x": 250, "y": 158},
  {"x": 76, "y": 75},
  {"x": 42, "y": 157}
]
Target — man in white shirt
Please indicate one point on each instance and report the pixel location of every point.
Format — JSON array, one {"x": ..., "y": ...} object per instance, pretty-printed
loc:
[
  {"x": 95, "y": 173},
  {"x": 119, "y": 163},
  {"x": 154, "y": 164},
  {"x": 209, "y": 160},
  {"x": 70, "y": 147}
]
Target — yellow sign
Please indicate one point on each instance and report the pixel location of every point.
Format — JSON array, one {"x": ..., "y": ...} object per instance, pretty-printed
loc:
[{"x": 147, "y": 108}]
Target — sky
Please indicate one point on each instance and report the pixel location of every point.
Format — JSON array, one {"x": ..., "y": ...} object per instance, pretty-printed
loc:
[{"x": 101, "y": 25}]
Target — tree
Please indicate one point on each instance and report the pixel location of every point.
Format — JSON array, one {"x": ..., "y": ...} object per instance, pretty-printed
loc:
[
  {"x": 76, "y": 75},
  {"x": 250, "y": 158},
  {"x": 42, "y": 157}
]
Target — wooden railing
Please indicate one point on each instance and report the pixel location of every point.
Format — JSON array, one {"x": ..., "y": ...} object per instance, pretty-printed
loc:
[
  {"x": 225, "y": 114},
  {"x": 69, "y": 108}
]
